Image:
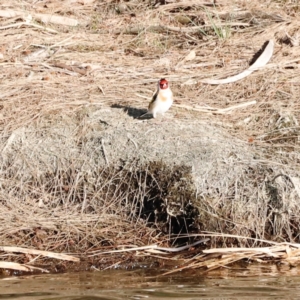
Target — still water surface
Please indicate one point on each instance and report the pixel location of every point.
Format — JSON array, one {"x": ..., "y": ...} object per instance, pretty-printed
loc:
[{"x": 141, "y": 284}]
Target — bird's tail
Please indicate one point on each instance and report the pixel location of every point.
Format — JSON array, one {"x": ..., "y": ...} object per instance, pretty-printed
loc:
[{"x": 146, "y": 113}]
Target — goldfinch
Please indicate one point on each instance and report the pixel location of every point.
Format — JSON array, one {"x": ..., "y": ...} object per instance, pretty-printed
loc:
[{"x": 162, "y": 99}]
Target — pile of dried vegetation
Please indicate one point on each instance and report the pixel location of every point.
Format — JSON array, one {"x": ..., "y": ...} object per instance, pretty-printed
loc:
[{"x": 81, "y": 174}]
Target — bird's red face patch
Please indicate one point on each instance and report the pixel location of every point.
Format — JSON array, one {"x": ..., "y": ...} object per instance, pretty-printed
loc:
[{"x": 163, "y": 84}]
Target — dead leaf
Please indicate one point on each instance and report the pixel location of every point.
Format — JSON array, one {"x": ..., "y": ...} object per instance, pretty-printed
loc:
[
  {"x": 190, "y": 56},
  {"x": 259, "y": 63}
]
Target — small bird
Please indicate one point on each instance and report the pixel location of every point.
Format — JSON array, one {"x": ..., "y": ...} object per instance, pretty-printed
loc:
[{"x": 162, "y": 99}]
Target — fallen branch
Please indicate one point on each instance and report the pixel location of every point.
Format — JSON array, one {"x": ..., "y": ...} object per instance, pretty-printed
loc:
[
  {"x": 39, "y": 252},
  {"x": 28, "y": 24},
  {"x": 45, "y": 18},
  {"x": 82, "y": 71},
  {"x": 151, "y": 247},
  {"x": 20, "y": 267}
]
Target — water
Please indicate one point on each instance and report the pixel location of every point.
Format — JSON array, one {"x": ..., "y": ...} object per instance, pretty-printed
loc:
[{"x": 266, "y": 283}]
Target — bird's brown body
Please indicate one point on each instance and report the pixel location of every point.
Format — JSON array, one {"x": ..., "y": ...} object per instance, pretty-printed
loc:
[{"x": 162, "y": 99}]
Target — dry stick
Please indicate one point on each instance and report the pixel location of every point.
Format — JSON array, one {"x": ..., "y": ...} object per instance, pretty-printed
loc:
[
  {"x": 151, "y": 247},
  {"x": 216, "y": 110},
  {"x": 125, "y": 250},
  {"x": 101, "y": 89},
  {"x": 114, "y": 265},
  {"x": 57, "y": 69},
  {"x": 133, "y": 141},
  {"x": 224, "y": 262},
  {"x": 142, "y": 96},
  {"x": 39, "y": 252},
  {"x": 84, "y": 199},
  {"x": 136, "y": 30},
  {"x": 241, "y": 105},
  {"x": 70, "y": 68},
  {"x": 59, "y": 44},
  {"x": 50, "y": 18},
  {"x": 28, "y": 24},
  {"x": 186, "y": 4},
  {"x": 41, "y": 54},
  {"x": 9, "y": 13},
  {"x": 215, "y": 234},
  {"x": 104, "y": 151},
  {"x": 265, "y": 250},
  {"x": 206, "y": 263},
  {"x": 20, "y": 267},
  {"x": 45, "y": 18},
  {"x": 196, "y": 28}
]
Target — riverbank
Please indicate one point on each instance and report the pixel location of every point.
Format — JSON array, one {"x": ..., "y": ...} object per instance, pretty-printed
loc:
[{"x": 81, "y": 173}]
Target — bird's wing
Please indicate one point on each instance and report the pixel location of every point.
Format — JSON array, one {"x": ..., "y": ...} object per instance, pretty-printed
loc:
[{"x": 154, "y": 97}]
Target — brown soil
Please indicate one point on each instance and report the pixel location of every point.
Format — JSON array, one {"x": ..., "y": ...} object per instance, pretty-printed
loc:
[{"x": 81, "y": 172}]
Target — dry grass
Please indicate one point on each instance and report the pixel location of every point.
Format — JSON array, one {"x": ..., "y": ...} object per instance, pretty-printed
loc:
[{"x": 75, "y": 172}]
